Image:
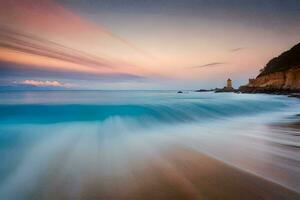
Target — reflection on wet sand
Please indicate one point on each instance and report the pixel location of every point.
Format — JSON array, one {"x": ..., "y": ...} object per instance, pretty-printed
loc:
[{"x": 179, "y": 173}]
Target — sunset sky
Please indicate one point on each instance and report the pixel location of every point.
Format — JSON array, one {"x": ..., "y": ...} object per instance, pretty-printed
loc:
[{"x": 141, "y": 44}]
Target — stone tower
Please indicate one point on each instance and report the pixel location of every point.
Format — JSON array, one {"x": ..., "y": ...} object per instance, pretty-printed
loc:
[{"x": 229, "y": 83}]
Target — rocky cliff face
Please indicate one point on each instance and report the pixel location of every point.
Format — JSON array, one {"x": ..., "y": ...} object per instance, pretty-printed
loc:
[
  {"x": 289, "y": 79},
  {"x": 280, "y": 74}
]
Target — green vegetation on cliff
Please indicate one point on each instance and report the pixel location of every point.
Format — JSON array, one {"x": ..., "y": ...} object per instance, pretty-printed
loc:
[{"x": 285, "y": 61}]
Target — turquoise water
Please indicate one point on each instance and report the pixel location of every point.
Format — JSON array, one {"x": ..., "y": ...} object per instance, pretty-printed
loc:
[
  {"x": 106, "y": 129},
  {"x": 144, "y": 106}
]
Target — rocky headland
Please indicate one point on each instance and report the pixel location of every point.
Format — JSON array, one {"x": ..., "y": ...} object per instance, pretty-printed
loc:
[{"x": 281, "y": 75}]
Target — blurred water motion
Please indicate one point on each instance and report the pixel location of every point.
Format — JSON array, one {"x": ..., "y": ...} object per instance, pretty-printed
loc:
[{"x": 148, "y": 145}]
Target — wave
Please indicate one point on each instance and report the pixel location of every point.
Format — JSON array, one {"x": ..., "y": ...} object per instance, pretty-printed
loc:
[
  {"x": 32, "y": 153},
  {"x": 104, "y": 140},
  {"x": 162, "y": 112}
]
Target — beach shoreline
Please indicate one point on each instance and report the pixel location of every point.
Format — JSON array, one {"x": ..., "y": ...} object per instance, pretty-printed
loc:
[
  {"x": 188, "y": 149},
  {"x": 179, "y": 173}
]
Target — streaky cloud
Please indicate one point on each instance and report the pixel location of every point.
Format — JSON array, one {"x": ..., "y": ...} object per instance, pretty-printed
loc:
[
  {"x": 16, "y": 71},
  {"x": 31, "y": 44},
  {"x": 50, "y": 12},
  {"x": 213, "y": 64},
  {"x": 237, "y": 49}
]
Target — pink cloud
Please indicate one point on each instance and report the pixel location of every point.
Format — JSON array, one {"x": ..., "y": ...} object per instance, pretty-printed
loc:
[{"x": 40, "y": 83}]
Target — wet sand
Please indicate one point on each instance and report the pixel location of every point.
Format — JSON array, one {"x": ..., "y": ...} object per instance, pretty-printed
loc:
[{"x": 178, "y": 173}]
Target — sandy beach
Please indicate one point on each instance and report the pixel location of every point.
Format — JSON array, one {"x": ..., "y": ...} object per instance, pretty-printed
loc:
[{"x": 179, "y": 173}]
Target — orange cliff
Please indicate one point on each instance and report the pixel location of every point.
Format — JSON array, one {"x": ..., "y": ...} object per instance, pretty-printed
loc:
[
  {"x": 289, "y": 79},
  {"x": 281, "y": 74}
]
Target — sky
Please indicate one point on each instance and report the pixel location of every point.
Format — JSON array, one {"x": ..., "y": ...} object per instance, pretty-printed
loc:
[{"x": 141, "y": 44}]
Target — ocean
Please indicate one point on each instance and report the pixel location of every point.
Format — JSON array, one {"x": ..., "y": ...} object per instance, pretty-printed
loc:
[{"x": 63, "y": 139}]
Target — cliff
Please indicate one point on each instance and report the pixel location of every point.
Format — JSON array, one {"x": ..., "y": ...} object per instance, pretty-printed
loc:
[{"x": 281, "y": 74}]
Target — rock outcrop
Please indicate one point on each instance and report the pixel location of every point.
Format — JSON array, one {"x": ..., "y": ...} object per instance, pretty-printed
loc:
[
  {"x": 281, "y": 74},
  {"x": 289, "y": 79}
]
